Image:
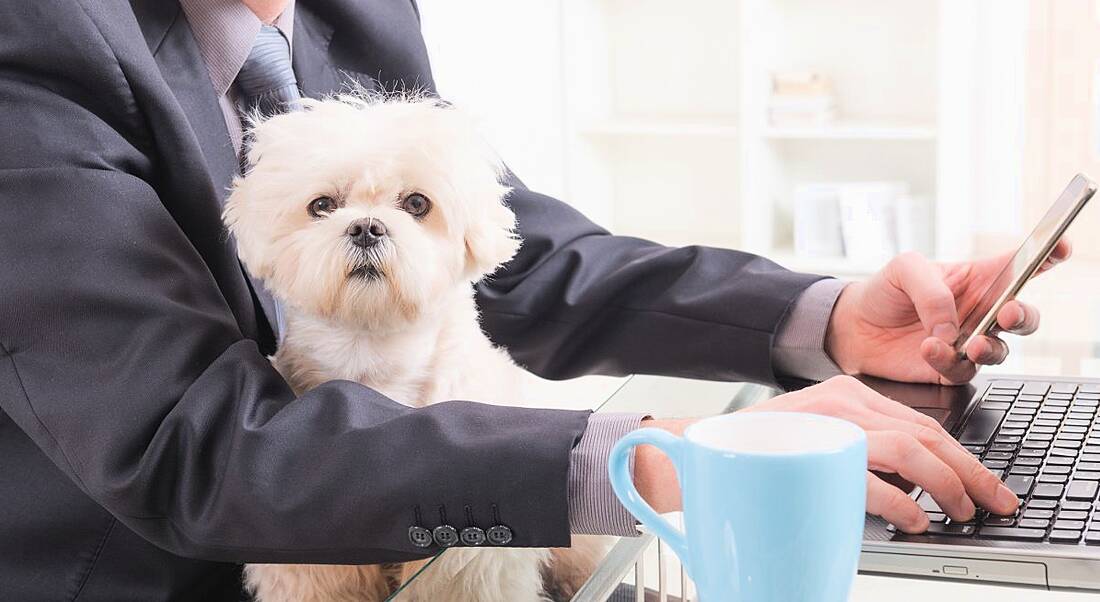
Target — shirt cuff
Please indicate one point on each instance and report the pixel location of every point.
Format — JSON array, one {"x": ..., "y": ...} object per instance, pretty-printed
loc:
[
  {"x": 594, "y": 509},
  {"x": 799, "y": 349}
]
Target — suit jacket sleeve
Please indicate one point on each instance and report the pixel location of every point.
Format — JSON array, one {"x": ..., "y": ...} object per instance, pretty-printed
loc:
[
  {"x": 577, "y": 300},
  {"x": 122, "y": 361}
]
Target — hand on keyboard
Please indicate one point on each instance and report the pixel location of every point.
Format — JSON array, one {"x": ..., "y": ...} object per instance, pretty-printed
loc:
[{"x": 904, "y": 441}]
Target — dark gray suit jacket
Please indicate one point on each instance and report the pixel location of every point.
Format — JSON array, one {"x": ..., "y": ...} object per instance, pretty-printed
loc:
[{"x": 147, "y": 446}]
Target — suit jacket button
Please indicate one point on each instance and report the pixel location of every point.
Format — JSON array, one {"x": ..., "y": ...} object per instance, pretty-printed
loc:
[
  {"x": 420, "y": 537},
  {"x": 472, "y": 536},
  {"x": 499, "y": 535},
  {"x": 445, "y": 535}
]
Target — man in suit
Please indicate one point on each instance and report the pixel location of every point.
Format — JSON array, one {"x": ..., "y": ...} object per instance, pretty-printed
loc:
[{"x": 148, "y": 446}]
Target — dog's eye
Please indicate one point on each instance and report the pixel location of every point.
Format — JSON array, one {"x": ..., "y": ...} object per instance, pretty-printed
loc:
[
  {"x": 416, "y": 205},
  {"x": 321, "y": 205}
]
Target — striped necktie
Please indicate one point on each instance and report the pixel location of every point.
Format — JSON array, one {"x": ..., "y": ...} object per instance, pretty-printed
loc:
[
  {"x": 266, "y": 80},
  {"x": 267, "y": 84}
]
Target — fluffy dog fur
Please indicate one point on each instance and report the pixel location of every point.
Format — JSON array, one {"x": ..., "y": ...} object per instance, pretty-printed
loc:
[{"x": 398, "y": 316}]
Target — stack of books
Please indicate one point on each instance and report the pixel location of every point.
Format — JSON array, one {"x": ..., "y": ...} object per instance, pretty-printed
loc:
[{"x": 801, "y": 99}]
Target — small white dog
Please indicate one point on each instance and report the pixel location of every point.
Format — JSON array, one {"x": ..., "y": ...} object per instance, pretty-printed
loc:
[{"x": 370, "y": 219}]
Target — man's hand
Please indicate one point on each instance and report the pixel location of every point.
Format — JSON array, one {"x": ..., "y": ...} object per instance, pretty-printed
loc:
[
  {"x": 902, "y": 323},
  {"x": 899, "y": 440}
]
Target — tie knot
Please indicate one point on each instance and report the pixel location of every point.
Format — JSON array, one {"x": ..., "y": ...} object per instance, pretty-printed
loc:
[{"x": 266, "y": 79}]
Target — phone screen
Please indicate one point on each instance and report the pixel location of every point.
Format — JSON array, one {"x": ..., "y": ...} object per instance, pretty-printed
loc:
[{"x": 1030, "y": 254}]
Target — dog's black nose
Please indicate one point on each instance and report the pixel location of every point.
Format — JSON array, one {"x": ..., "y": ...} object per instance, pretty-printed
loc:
[{"x": 366, "y": 232}]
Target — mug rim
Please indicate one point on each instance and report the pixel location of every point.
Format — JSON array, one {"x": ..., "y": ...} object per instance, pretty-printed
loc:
[{"x": 858, "y": 435}]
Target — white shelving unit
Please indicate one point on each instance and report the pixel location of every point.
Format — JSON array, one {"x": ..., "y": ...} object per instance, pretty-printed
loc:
[{"x": 667, "y": 128}]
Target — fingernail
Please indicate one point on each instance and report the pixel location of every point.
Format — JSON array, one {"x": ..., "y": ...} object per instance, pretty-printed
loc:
[
  {"x": 1006, "y": 498},
  {"x": 968, "y": 507},
  {"x": 1020, "y": 320},
  {"x": 945, "y": 332}
]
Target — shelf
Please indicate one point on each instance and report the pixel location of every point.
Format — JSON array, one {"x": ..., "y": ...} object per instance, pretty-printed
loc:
[
  {"x": 852, "y": 131},
  {"x": 717, "y": 129}
]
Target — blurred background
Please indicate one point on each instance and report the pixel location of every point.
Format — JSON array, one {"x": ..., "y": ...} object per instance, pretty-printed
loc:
[{"x": 827, "y": 136}]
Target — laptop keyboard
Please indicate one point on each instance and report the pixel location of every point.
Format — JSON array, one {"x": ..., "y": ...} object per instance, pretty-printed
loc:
[{"x": 1043, "y": 440}]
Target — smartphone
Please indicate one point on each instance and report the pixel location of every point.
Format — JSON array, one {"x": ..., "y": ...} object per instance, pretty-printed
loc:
[{"x": 982, "y": 320}]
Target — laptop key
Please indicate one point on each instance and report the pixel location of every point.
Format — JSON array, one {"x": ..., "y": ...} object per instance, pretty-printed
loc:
[
  {"x": 999, "y": 456},
  {"x": 1065, "y": 452},
  {"x": 1054, "y": 478},
  {"x": 1063, "y": 388},
  {"x": 1049, "y": 491},
  {"x": 1082, "y": 490},
  {"x": 1035, "y": 388},
  {"x": 1029, "y": 461},
  {"x": 1021, "y": 484},
  {"x": 1057, "y": 469},
  {"x": 975, "y": 449},
  {"x": 1014, "y": 385},
  {"x": 936, "y": 517},
  {"x": 1092, "y": 538},
  {"x": 980, "y": 427},
  {"x": 1070, "y": 505},
  {"x": 1082, "y": 475},
  {"x": 1036, "y": 513},
  {"x": 928, "y": 504},
  {"x": 995, "y": 464},
  {"x": 1032, "y": 453},
  {"x": 1034, "y": 523},
  {"x": 1059, "y": 461},
  {"x": 1042, "y": 505},
  {"x": 1072, "y": 525},
  {"x": 1024, "y": 470},
  {"x": 950, "y": 529},
  {"x": 996, "y": 405},
  {"x": 1002, "y": 447},
  {"x": 1065, "y": 536},
  {"x": 1088, "y": 466},
  {"x": 1001, "y": 521},
  {"x": 1073, "y": 515},
  {"x": 1014, "y": 533}
]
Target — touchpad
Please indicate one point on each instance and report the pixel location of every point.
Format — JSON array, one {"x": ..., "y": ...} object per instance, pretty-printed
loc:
[{"x": 947, "y": 404}]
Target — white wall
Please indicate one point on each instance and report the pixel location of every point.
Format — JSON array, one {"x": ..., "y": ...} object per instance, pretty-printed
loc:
[{"x": 502, "y": 60}]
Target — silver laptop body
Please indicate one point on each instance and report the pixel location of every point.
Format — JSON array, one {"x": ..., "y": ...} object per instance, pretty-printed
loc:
[{"x": 1041, "y": 563}]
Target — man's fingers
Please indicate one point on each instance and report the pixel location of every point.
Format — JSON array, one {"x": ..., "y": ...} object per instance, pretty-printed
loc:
[
  {"x": 898, "y": 451},
  {"x": 890, "y": 503},
  {"x": 983, "y": 487},
  {"x": 1062, "y": 251},
  {"x": 902, "y": 412},
  {"x": 987, "y": 351},
  {"x": 923, "y": 282},
  {"x": 943, "y": 358},
  {"x": 1018, "y": 318}
]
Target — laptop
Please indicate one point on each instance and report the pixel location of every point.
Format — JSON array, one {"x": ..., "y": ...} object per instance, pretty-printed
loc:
[{"x": 1041, "y": 435}]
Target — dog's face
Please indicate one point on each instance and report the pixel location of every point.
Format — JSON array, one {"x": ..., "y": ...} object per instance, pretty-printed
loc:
[{"x": 370, "y": 211}]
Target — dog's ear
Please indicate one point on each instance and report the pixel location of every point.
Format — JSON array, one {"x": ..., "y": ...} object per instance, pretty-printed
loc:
[
  {"x": 246, "y": 228},
  {"x": 491, "y": 239}
]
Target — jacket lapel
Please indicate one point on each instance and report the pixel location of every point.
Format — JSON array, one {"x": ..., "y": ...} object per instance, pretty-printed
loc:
[{"x": 176, "y": 53}]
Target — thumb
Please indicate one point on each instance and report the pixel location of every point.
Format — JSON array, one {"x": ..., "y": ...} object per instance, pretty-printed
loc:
[{"x": 934, "y": 302}]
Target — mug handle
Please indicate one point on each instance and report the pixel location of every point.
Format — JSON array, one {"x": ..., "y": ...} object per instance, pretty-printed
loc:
[{"x": 622, "y": 482}]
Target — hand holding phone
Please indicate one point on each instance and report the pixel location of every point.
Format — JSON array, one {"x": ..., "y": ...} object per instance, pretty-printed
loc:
[{"x": 1026, "y": 262}]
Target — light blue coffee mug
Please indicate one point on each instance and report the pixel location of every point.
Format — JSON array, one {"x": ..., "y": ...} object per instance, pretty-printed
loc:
[{"x": 773, "y": 504}]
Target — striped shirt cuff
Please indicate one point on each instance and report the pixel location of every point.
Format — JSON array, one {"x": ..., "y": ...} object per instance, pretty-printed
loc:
[
  {"x": 593, "y": 507},
  {"x": 799, "y": 349}
]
